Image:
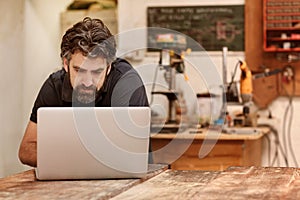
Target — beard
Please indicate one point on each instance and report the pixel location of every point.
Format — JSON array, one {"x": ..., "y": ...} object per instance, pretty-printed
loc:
[{"x": 85, "y": 95}]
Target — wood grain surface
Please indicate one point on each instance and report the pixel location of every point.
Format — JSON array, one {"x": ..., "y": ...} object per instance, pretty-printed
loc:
[
  {"x": 234, "y": 183},
  {"x": 25, "y": 186}
]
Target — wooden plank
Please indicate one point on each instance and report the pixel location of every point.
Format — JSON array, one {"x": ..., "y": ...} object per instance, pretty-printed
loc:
[
  {"x": 294, "y": 187},
  {"x": 187, "y": 135},
  {"x": 219, "y": 149},
  {"x": 234, "y": 183},
  {"x": 252, "y": 153},
  {"x": 253, "y": 183},
  {"x": 171, "y": 185},
  {"x": 253, "y": 34},
  {"x": 208, "y": 163},
  {"x": 265, "y": 90},
  {"x": 25, "y": 186}
]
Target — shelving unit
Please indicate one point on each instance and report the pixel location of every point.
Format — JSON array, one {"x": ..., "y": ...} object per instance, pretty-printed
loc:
[
  {"x": 281, "y": 25},
  {"x": 70, "y": 17}
]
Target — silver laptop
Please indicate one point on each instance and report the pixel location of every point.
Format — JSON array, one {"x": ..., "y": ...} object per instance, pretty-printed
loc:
[{"x": 92, "y": 142}]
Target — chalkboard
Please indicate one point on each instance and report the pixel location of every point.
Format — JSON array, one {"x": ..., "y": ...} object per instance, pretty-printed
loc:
[{"x": 213, "y": 27}]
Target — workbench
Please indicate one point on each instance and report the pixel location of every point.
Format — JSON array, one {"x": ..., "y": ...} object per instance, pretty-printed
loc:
[
  {"x": 25, "y": 186},
  {"x": 181, "y": 150},
  {"x": 234, "y": 183}
]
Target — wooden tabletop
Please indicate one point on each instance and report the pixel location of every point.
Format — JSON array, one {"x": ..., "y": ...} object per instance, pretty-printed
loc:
[
  {"x": 200, "y": 134},
  {"x": 236, "y": 183},
  {"x": 26, "y": 186}
]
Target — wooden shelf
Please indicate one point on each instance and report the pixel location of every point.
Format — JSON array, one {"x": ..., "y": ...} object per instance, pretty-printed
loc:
[
  {"x": 270, "y": 49},
  {"x": 284, "y": 14},
  {"x": 283, "y": 39},
  {"x": 283, "y": 29},
  {"x": 292, "y": 21},
  {"x": 283, "y": 9},
  {"x": 281, "y": 18}
]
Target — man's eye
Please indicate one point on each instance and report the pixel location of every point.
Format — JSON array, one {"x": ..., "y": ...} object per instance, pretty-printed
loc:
[
  {"x": 80, "y": 70},
  {"x": 98, "y": 71}
]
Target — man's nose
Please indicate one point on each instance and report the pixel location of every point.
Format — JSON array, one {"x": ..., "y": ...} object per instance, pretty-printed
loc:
[{"x": 87, "y": 80}]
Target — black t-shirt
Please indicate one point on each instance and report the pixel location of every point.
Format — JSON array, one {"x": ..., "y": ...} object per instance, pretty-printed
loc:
[{"x": 122, "y": 87}]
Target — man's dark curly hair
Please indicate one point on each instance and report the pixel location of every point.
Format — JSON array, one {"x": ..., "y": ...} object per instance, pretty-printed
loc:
[{"x": 91, "y": 37}]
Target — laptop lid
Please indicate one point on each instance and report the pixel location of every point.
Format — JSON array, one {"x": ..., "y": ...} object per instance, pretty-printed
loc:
[{"x": 92, "y": 142}]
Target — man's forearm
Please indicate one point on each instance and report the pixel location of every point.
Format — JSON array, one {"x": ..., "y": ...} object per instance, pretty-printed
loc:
[
  {"x": 28, "y": 155},
  {"x": 28, "y": 146}
]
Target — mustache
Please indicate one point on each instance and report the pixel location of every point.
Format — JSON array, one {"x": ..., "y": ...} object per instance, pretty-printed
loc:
[{"x": 83, "y": 87}]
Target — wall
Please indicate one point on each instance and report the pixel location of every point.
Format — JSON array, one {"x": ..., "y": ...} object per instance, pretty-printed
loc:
[
  {"x": 11, "y": 45},
  {"x": 196, "y": 62},
  {"x": 41, "y": 46},
  {"x": 29, "y": 51},
  {"x": 288, "y": 128}
]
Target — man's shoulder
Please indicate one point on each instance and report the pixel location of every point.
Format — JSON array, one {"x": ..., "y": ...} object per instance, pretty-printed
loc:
[
  {"x": 122, "y": 66},
  {"x": 58, "y": 75},
  {"x": 55, "y": 79}
]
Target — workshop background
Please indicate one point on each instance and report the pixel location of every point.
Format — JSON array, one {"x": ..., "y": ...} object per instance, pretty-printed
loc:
[{"x": 30, "y": 36}]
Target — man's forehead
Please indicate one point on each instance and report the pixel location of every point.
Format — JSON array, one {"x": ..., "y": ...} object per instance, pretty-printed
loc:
[{"x": 88, "y": 62}]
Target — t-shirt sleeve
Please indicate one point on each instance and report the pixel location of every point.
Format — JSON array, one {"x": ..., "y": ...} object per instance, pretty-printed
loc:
[{"x": 47, "y": 97}]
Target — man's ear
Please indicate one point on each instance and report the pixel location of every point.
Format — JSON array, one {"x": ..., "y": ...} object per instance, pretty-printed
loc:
[
  {"x": 108, "y": 69},
  {"x": 66, "y": 64}
]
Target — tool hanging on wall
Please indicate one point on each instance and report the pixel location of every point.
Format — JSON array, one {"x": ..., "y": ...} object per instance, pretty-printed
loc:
[
  {"x": 246, "y": 87},
  {"x": 248, "y": 117},
  {"x": 232, "y": 94}
]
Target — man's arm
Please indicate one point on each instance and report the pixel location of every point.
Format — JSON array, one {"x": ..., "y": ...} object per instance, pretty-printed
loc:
[{"x": 28, "y": 149}]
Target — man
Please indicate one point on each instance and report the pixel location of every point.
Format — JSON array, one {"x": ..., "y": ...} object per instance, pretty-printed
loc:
[{"x": 91, "y": 76}]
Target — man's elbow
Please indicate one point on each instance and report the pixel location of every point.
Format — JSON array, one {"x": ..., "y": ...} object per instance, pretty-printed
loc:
[
  {"x": 22, "y": 156},
  {"x": 26, "y": 157}
]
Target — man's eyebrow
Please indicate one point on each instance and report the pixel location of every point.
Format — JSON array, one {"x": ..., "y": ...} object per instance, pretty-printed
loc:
[
  {"x": 77, "y": 67},
  {"x": 100, "y": 69}
]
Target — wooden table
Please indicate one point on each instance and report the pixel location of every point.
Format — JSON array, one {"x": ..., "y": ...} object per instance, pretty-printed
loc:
[
  {"x": 181, "y": 150},
  {"x": 233, "y": 183},
  {"x": 26, "y": 186}
]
